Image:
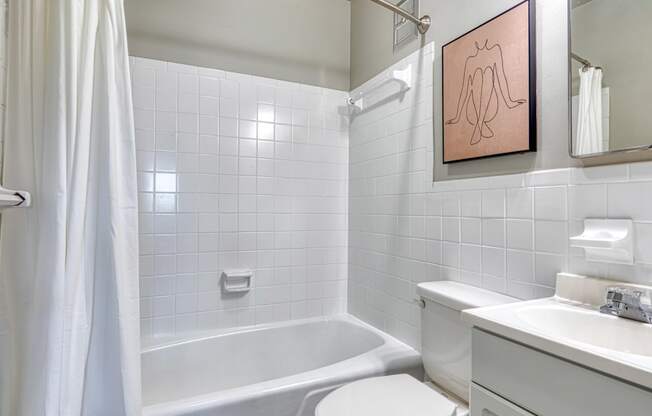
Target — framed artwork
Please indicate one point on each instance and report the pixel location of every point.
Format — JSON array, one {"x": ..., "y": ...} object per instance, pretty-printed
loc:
[{"x": 489, "y": 88}]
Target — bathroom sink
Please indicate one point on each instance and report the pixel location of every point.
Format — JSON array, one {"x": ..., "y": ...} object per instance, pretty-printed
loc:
[
  {"x": 589, "y": 327},
  {"x": 569, "y": 325}
]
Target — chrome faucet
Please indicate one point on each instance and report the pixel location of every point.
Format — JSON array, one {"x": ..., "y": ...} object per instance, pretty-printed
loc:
[{"x": 628, "y": 303}]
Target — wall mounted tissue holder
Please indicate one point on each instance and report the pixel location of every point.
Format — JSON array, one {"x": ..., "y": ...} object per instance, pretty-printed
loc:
[
  {"x": 607, "y": 241},
  {"x": 237, "y": 281}
]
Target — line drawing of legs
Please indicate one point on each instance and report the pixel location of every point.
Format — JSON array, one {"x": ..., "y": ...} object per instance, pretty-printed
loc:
[
  {"x": 483, "y": 104},
  {"x": 485, "y": 87}
]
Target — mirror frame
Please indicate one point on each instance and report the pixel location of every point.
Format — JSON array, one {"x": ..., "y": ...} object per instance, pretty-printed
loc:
[{"x": 624, "y": 150}]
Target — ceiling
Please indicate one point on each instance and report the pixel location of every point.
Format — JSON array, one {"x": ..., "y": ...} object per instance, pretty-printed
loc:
[{"x": 278, "y": 37}]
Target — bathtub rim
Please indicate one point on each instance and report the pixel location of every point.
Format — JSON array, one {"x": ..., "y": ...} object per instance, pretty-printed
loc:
[{"x": 155, "y": 343}]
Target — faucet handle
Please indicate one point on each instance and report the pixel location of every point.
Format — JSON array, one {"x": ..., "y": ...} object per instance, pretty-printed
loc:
[
  {"x": 624, "y": 295},
  {"x": 629, "y": 303}
]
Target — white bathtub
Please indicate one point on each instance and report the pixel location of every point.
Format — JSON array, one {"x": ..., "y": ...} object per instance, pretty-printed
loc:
[{"x": 270, "y": 370}]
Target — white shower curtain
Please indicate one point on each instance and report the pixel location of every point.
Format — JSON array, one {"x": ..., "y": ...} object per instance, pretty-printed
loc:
[
  {"x": 589, "y": 138},
  {"x": 69, "y": 264}
]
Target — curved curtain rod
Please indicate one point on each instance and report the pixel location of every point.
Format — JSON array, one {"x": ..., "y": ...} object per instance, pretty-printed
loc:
[
  {"x": 581, "y": 60},
  {"x": 423, "y": 23},
  {"x": 586, "y": 64}
]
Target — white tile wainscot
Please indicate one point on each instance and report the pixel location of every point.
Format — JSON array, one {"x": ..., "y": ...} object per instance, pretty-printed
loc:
[
  {"x": 237, "y": 171},
  {"x": 504, "y": 233}
]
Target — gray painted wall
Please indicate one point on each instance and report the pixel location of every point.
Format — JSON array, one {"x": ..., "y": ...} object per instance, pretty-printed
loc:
[
  {"x": 371, "y": 52},
  {"x": 304, "y": 41}
]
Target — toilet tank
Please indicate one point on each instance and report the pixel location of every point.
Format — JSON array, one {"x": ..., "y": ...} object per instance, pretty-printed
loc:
[{"x": 445, "y": 339}]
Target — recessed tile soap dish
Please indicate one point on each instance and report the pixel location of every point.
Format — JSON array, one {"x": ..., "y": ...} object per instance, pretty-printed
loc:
[
  {"x": 607, "y": 241},
  {"x": 237, "y": 280}
]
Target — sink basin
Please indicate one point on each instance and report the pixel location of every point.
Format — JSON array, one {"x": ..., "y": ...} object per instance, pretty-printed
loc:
[
  {"x": 590, "y": 327},
  {"x": 569, "y": 325}
]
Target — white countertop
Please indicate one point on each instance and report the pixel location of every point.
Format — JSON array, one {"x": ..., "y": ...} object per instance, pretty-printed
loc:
[{"x": 573, "y": 331}]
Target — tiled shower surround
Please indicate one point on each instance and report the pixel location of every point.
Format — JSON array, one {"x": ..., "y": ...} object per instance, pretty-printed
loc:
[
  {"x": 237, "y": 171},
  {"x": 506, "y": 233}
]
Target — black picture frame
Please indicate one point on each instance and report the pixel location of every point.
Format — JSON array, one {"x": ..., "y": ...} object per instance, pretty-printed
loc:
[{"x": 532, "y": 87}]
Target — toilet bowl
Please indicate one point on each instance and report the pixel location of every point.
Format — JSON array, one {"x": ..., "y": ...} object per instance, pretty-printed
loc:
[
  {"x": 446, "y": 352},
  {"x": 395, "y": 395}
]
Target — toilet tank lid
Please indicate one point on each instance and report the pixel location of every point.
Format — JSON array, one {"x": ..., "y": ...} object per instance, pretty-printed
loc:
[{"x": 459, "y": 296}]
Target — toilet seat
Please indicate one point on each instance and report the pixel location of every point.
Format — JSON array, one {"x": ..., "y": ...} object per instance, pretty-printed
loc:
[{"x": 396, "y": 395}]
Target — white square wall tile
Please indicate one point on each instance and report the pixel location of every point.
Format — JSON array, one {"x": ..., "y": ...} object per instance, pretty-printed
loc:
[
  {"x": 188, "y": 103},
  {"x": 228, "y": 127},
  {"x": 493, "y": 232},
  {"x": 188, "y": 84},
  {"x": 144, "y": 76},
  {"x": 550, "y": 203},
  {"x": 451, "y": 229},
  {"x": 165, "y": 182},
  {"x": 548, "y": 177},
  {"x": 434, "y": 252},
  {"x": 493, "y": 204},
  {"x": 166, "y": 100},
  {"x": 641, "y": 171},
  {"x": 471, "y": 258},
  {"x": 493, "y": 261},
  {"x": 630, "y": 200},
  {"x": 470, "y": 278},
  {"x": 229, "y": 88},
  {"x": 450, "y": 206},
  {"x": 520, "y": 234},
  {"x": 187, "y": 123},
  {"x": 471, "y": 230},
  {"x": 433, "y": 205},
  {"x": 166, "y": 81},
  {"x": 643, "y": 243},
  {"x": 209, "y": 86},
  {"x": 546, "y": 268},
  {"x": 521, "y": 290},
  {"x": 471, "y": 204},
  {"x": 144, "y": 98},
  {"x": 551, "y": 236},
  {"x": 451, "y": 254},
  {"x": 520, "y": 266},
  {"x": 520, "y": 203},
  {"x": 601, "y": 174},
  {"x": 208, "y": 106},
  {"x": 587, "y": 201},
  {"x": 495, "y": 284}
]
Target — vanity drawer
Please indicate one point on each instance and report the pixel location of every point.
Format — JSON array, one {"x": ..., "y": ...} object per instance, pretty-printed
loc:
[
  {"x": 485, "y": 403},
  {"x": 550, "y": 386}
]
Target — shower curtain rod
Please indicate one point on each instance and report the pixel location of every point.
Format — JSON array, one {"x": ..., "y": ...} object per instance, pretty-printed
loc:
[
  {"x": 581, "y": 60},
  {"x": 585, "y": 62},
  {"x": 423, "y": 23}
]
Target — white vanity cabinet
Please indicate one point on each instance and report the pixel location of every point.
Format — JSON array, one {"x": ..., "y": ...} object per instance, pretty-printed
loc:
[
  {"x": 485, "y": 403},
  {"x": 511, "y": 379}
]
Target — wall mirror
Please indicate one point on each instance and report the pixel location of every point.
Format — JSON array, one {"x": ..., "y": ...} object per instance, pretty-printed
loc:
[{"x": 610, "y": 85}]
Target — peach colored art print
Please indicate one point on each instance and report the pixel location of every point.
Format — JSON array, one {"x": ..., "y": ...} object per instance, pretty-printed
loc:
[{"x": 489, "y": 88}]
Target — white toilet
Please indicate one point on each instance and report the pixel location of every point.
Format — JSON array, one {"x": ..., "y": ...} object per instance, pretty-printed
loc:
[{"x": 446, "y": 352}]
